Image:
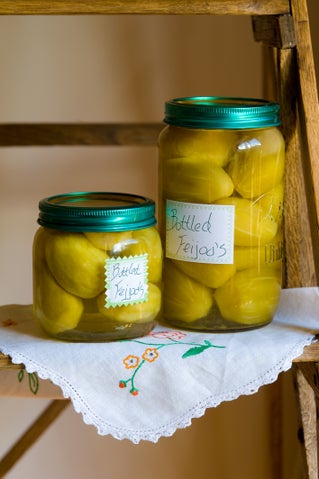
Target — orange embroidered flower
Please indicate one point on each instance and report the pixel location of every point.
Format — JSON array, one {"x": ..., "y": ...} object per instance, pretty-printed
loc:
[
  {"x": 8, "y": 322},
  {"x": 131, "y": 361},
  {"x": 150, "y": 354}
]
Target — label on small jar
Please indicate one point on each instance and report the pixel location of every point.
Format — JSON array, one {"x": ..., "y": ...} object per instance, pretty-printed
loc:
[
  {"x": 200, "y": 233},
  {"x": 126, "y": 280}
]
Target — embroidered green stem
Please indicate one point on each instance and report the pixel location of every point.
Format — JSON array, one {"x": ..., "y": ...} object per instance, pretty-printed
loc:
[
  {"x": 123, "y": 383},
  {"x": 151, "y": 354},
  {"x": 175, "y": 341},
  {"x": 196, "y": 349}
]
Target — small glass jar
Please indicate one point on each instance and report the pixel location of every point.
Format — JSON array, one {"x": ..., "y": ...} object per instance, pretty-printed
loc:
[
  {"x": 221, "y": 170},
  {"x": 97, "y": 266}
]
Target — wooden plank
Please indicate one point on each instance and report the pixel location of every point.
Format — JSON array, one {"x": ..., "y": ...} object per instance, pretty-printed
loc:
[
  {"x": 308, "y": 417},
  {"x": 123, "y": 134},
  {"x": 274, "y": 30},
  {"x": 5, "y": 363},
  {"x": 31, "y": 435},
  {"x": 300, "y": 267},
  {"x": 175, "y": 7},
  {"x": 310, "y": 354},
  {"x": 282, "y": 83},
  {"x": 308, "y": 110}
]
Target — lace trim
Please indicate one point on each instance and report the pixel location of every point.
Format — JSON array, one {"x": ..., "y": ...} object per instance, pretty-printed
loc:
[{"x": 179, "y": 422}]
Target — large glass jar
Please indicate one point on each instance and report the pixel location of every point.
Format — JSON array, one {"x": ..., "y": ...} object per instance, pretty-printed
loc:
[
  {"x": 97, "y": 266},
  {"x": 221, "y": 169}
]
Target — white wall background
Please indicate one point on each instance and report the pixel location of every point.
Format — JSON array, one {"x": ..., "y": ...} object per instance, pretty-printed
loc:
[{"x": 117, "y": 69}]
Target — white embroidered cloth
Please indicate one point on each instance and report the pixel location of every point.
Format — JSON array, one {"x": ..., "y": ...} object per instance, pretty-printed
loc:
[{"x": 147, "y": 388}]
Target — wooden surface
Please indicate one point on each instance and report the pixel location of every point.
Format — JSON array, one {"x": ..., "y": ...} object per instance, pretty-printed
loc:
[
  {"x": 300, "y": 266},
  {"x": 310, "y": 353},
  {"x": 307, "y": 396},
  {"x": 290, "y": 79},
  {"x": 5, "y": 363},
  {"x": 308, "y": 113},
  {"x": 49, "y": 134},
  {"x": 274, "y": 30},
  {"x": 172, "y": 7}
]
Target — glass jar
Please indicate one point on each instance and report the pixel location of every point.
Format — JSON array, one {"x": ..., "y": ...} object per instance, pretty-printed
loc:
[
  {"x": 221, "y": 169},
  {"x": 97, "y": 266}
]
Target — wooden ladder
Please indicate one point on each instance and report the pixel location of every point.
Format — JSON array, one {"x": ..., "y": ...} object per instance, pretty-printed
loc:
[{"x": 289, "y": 77}]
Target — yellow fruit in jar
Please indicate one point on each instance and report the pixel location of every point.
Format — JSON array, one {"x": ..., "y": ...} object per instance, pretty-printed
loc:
[
  {"x": 90, "y": 305},
  {"x": 55, "y": 309},
  {"x": 39, "y": 242},
  {"x": 258, "y": 163},
  {"x": 272, "y": 202},
  {"x": 111, "y": 243},
  {"x": 211, "y": 275},
  {"x": 250, "y": 297},
  {"x": 269, "y": 254},
  {"x": 38, "y": 256},
  {"x": 134, "y": 313},
  {"x": 246, "y": 257},
  {"x": 252, "y": 225},
  {"x": 188, "y": 179},
  {"x": 215, "y": 146},
  {"x": 184, "y": 299},
  {"x": 148, "y": 241},
  {"x": 76, "y": 264}
]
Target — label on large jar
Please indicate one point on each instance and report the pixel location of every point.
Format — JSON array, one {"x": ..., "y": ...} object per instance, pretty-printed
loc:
[
  {"x": 200, "y": 233},
  {"x": 126, "y": 280}
]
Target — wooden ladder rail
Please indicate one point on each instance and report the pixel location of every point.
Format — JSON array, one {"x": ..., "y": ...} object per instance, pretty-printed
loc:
[
  {"x": 31, "y": 435},
  {"x": 140, "y": 7},
  {"x": 288, "y": 61}
]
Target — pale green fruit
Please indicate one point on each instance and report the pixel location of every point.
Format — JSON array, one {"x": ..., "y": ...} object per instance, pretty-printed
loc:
[
  {"x": 148, "y": 241},
  {"x": 211, "y": 275},
  {"x": 111, "y": 243},
  {"x": 76, "y": 264},
  {"x": 250, "y": 297},
  {"x": 258, "y": 163},
  {"x": 143, "y": 312},
  {"x": 188, "y": 179},
  {"x": 269, "y": 254},
  {"x": 213, "y": 146},
  {"x": 55, "y": 309},
  {"x": 272, "y": 202},
  {"x": 253, "y": 226},
  {"x": 38, "y": 249},
  {"x": 38, "y": 257},
  {"x": 90, "y": 305},
  {"x": 184, "y": 298}
]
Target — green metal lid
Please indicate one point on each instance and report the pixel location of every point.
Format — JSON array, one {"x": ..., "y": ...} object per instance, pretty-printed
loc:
[
  {"x": 212, "y": 112},
  {"x": 97, "y": 211}
]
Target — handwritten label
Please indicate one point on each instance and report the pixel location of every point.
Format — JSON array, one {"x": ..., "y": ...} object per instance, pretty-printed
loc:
[
  {"x": 200, "y": 233},
  {"x": 126, "y": 280}
]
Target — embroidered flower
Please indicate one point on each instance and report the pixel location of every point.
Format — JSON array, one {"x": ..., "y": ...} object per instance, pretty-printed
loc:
[
  {"x": 131, "y": 361},
  {"x": 150, "y": 355},
  {"x": 9, "y": 322},
  {"x": 168, "y": 334}
]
